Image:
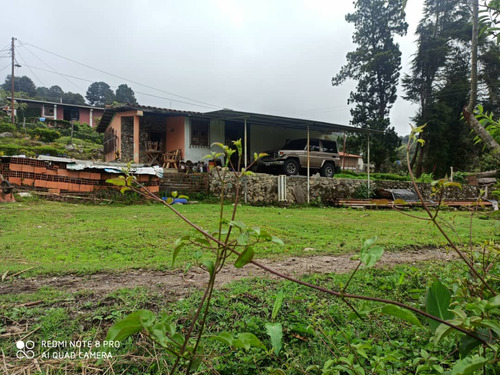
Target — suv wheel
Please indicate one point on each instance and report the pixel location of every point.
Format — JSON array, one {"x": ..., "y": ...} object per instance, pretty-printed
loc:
[
  {"x": 291, "y": 167},
  {"x": 328, "y": 170}
]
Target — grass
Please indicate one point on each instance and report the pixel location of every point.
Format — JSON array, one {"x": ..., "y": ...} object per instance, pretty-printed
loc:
[
  {"x": 317, "y": 328},
  {"x": 56, "y": 238}
]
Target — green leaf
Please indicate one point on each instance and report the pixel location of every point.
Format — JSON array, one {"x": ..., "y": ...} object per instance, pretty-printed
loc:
[
  {"x": 124, "y": 189},
  {"x": 494, "y": 325},
  {"x": 404, "y": 314},
  {"x": 455, "y": 184},
  {"x": 441, "y": 331},
  {"x": 243, "y": 238},
  {"x": 118, "y": 181},
  {"x": 277, "y": 304},
  {"x": 225, "y": 338},
  {"x": 130, "y": 325},
  {"x": 468, "y": 343},
  {"x": 210, "y": 266},
  {"x": 371, "y": 256},
  {"x": 368, "y": 243},
  {"x": 275, "y": 332},
  {"x": 437, "y": 303},
  {"x": 202, "y": 241},
  {"x": 468, "y": 365},
  {"x": 238, "y": 224},
  {"x": 245, "y": 257},
  {"x": 277, "y": 240},
  {"x": 179, "y": 244},
  {"x": 248, "y": 340}
]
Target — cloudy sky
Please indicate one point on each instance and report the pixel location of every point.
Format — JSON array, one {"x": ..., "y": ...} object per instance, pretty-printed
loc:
[{"x": 267, "y": 56}]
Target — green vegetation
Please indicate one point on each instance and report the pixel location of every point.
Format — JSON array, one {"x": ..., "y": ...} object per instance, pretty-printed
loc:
[
  {"x": 63, "y": 238},
  {"x": 319, "y": 332},
  {"x": 39, "y": 139}
]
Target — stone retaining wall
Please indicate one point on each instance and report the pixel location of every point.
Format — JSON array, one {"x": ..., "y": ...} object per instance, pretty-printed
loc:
[{"x": 262, "y": 189}]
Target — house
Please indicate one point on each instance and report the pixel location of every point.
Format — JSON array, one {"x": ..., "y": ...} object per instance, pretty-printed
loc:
[
  {"x": 130, "y": 130},
  {"x": 63, "y": 111},
  {"x": 351, "y": 162}
]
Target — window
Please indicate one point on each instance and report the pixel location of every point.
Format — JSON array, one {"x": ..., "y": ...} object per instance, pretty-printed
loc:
[
  {"x": 199, "y": 133},
  {"x": 330, "y": 146}
]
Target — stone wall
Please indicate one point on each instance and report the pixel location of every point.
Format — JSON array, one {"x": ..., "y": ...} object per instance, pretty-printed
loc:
[
  {"x": 127, "y": 135},
  {"x": 262, "y": 189}
]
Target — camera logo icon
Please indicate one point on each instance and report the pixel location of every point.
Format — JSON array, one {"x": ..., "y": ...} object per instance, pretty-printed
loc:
[{"x": 25, "y": 349}]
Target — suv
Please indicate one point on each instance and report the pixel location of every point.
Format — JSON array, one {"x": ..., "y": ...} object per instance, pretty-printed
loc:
[{"x": 292, "y": 157}]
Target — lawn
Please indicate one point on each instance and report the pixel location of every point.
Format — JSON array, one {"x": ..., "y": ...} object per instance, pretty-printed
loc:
[{"x": 54, "y": 237}]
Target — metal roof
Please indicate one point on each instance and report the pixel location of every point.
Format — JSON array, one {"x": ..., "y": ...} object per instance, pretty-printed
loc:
[
  {"x": 56, "y": 103},
  {"x": 230, "y": 115},
  {"x": 288, "y": 122}
]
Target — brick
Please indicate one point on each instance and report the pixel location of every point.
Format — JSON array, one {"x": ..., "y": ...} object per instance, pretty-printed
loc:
[
  {"x": 27, "y": 181},
  {"x": 52, "y": 184},
  {"x": 40, "y": 170},
  {"x": 15, "y": 180},
  {"x": 63, "y": 185},
  {"x": 95, "y": 176},
  {"x": 73, "y": 187},
  {"x": 28, "y": 168},
  {"x": 16, "y": 167},
  {"x": 55, "y": 191},
  {"x": 63, "y": 172},
  {"x": 74, "y": 174},
  {"x": 85, "y": 175},
  {"x": 86, "y": 188},
  {"x": 40, "y": 183}
]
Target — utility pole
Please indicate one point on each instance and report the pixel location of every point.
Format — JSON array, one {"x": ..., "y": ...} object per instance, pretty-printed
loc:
[{"x": 12, "y": 83}]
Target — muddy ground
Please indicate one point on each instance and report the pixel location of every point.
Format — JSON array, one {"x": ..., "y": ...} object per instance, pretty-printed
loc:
[{"x": 177, "y": 283}]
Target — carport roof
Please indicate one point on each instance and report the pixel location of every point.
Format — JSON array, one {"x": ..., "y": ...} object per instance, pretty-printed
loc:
[{"x": 288, "y": 122}]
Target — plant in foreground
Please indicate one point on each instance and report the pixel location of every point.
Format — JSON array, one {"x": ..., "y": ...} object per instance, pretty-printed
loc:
[{"x": 469, "y": 315}]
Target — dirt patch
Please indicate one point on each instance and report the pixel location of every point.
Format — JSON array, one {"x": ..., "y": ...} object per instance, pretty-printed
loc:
[{"x": 177, "y": 283}]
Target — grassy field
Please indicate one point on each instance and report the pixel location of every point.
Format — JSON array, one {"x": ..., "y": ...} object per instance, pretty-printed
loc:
[{"x": 56, "y": 237}]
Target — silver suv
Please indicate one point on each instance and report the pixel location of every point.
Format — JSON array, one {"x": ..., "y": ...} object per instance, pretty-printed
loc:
[{"x": 292, "y": 157}]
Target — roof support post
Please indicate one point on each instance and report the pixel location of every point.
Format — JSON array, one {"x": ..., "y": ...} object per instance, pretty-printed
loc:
[
  {"x": 308, "y": 166},
  {"x": 245, "y": 155},
  {"x": 368, "y": 159}
]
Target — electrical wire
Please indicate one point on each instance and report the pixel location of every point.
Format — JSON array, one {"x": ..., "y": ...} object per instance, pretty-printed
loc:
[
  {"x": 138, "y": 92},
  {"x": 53, "y": 70},
  {"x": 32, "y": 72},
  {"x": 120, "y": 77}
]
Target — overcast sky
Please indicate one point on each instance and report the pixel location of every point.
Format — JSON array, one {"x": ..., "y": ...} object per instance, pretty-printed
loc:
[{"x": 266, "y": 56}]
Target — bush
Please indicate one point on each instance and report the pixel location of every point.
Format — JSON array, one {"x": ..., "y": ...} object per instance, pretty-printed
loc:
[
  {"x": 45, "y": 135},
  {"x": 364, "y": 192},
  {"x": 6, "y": 127}
]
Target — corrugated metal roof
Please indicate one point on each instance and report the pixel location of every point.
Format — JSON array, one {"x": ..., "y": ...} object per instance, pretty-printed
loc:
[
  {"x": 228, "y": 114},
  {"x": 56, "y": 103}
]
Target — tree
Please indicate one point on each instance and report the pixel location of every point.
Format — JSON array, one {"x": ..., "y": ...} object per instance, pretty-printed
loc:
[
  {"x": 73, "y": 98},
  {"x": 21, "y": 84},
  {"x": 100, "y": 94},
  {"x": 125, "y": 94},
  {"x": 375, "y": 64}
]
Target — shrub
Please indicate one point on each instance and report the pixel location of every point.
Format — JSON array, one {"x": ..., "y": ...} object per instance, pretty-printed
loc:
[
  {"x": 364, "y": 191},
  {"x": 45, "y": 135},
  {"x": 6, "y": 127}
]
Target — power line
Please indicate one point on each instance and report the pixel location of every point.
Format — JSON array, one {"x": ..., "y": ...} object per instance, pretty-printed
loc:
[
  {"x": 24, "y": 62},
  {"x": 53, "y": 70},
  {"x": 138, "y": 92},
  {"x": 123, "y": 78}
]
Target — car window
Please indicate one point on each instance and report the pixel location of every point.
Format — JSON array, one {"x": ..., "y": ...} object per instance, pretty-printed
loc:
[
  {"x": 296, "y": 144},
  {"x": 330, "y": 146},
  {"x": 314, "y": 144}
]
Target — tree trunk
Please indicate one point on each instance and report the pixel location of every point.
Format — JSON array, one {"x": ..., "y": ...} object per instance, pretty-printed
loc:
[{"x": 474, "y": 43}]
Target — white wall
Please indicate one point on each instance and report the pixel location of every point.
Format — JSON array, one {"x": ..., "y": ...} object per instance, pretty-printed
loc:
[{"x": 216, "y": 134}]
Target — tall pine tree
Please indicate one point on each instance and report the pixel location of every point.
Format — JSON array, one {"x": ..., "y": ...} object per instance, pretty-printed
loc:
[{"x": 375, "y": 65}]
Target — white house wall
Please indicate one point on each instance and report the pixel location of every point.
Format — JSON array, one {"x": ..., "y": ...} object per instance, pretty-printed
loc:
[{"x": 195, "y": 153}]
